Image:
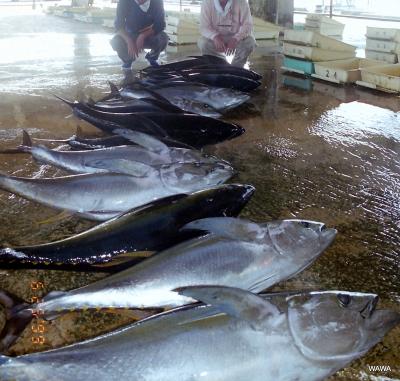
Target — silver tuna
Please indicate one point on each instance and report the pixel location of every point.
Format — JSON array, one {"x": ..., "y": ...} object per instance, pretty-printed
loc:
[
  {"x": 220, "y": 99},
  {"x": 101, "y": 196},
  {"x": 238, "y": 336},
  {"x": 120, "y": 159}
]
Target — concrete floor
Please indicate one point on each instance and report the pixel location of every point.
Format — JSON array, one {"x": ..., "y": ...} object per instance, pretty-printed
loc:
[{"x": 328, "y": 154}]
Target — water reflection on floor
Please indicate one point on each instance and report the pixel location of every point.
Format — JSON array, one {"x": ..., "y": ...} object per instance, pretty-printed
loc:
[{"x": 324, "y": 153}]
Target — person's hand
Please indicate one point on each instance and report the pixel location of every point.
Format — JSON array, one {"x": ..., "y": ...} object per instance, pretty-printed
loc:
[
  {"x": 140, "y": 42},
  {"x": 219, "y": 43},
  {"x": 132, "y": 48},
  {"x": 231, "y": 45}
]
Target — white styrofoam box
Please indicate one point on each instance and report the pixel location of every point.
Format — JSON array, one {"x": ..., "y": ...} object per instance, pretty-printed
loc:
[
  {"x": 187, "y": 48},
  {"x": 390, "y": 34},
  {"x": 383, "y": 46},
  {"x": 311, "y": 38},
  {"x": 183, "y": 39},
  {"x": 385, "y": 76},
  {"x": 265, "y": 34},
  {"x": 315, "y": 54},
  {"x": 321, "y": 19},
  {"x": 258, "y": 22},
  {"x": 173, "y": 29},
  {"x": 324, "y": 25},
  {"x": 381, "y": 56},
  {"x": 343, "y": 71}
]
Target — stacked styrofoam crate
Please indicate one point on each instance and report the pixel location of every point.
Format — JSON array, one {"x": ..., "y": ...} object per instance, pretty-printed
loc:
[
  {"x": 182, "y": 27},
  {"x": 324, "y": 25},
  {"x": 383, "y": 44},
  {"x": 303, "y": 47},
  {"x": 264, "y": 30}
]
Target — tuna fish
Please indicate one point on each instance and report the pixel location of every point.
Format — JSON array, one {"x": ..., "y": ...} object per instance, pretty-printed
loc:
[
  {"x": 194, "y": 130},
  {"x": 101, "y": 196},
  {"x": 79, "y": 142},
  {"x": 237, "y": 336},
  {"x": 152, "y": 152},
  {"x": 221, "y": 99}
]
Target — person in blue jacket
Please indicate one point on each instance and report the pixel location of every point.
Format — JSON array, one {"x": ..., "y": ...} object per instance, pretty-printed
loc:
[{"x": 139, "y": 24}]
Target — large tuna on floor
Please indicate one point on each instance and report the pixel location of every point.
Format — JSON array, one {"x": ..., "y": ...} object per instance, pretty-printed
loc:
[
  {"x": 238, "y": 336},
  {"x": 194, "y": 130},
  {"x": 79, "y": 142},
  {"x": 121, "y": 159},
  {"x": 219, "y": 98},
  {"x": 152, "y": 227},
  {"x": 101, "y": 196}
]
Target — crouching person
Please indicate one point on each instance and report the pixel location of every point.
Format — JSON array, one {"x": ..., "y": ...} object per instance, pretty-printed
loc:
[
  {"x": 140, "y": 24},
  {"x": 226, "y": 27}
]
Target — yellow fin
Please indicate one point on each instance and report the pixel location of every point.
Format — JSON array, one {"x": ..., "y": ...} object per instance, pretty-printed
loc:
[{"x": 122, "y": 258}]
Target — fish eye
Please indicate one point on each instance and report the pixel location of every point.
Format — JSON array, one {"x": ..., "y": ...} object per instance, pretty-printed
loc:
[
  {"x": 344, "y": 300},
  {"x": 206, "y": 105}
]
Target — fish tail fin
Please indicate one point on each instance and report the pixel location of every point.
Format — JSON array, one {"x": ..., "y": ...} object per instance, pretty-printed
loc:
[
  {"x": 17, "y": 318},
  {"x": 26, "y": 139},
  {"x": 25, "y": 147}
]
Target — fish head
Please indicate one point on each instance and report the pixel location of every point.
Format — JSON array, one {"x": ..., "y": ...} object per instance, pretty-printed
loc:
[
  {"x": 224, "y": 99},
  {"x": 226, "y": 200},
  {"x": 195, "y": 176},
  {"x": 337, "y": 326},
  {"x": 300, "y": 240}
]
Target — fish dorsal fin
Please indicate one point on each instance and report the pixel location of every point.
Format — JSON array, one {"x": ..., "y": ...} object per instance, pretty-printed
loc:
[
  {"x": 142, "y": 139},
  {"x": 235, "y": 302},
  {"x": 26, "y": 139},
  {"x": 91, "y": 101},
  {"x": 123, "y": 166},
  {"x": 114, "y": 89},
  {"x": 229, "y": 227}
]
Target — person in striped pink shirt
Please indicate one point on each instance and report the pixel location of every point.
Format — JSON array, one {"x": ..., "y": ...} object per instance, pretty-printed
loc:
[{"x": 226, "y": 27}]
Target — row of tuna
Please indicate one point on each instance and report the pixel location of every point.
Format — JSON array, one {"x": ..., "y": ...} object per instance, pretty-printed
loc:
[{"x": 157, "y": 195}]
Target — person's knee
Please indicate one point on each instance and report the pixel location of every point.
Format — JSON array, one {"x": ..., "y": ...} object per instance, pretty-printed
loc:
[
  {"x": 163, "y": 40},
  {"x": 118, "y": 43}
]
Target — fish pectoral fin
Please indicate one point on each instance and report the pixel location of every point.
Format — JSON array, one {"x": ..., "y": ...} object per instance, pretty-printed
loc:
[
  {"x": 228, "y": 227},
  {"x": 234, "y": 302},
  {"x": 142, "y": 139},
  {"x": 123, "y": 166}
]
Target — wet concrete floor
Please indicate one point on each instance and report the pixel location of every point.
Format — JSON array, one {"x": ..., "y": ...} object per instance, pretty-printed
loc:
[{"x": 328, "y": 153}]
